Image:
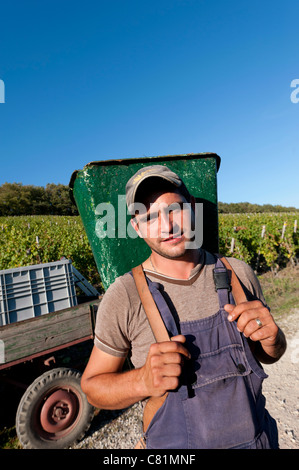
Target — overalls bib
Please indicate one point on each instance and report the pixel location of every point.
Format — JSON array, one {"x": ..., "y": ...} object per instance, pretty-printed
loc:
[{"x": 219, "y": 403}]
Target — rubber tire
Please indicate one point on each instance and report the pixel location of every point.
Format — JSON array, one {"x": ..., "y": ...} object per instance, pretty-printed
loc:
[{"x": 28, "y": 423}]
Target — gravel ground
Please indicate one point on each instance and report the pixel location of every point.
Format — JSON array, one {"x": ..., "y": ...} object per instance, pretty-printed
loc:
[
  {"x": 122, "y": 429},
  {"x": 281, "y": 388}
]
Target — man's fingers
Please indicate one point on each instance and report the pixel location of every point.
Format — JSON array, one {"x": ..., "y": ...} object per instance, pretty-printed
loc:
[
  {"x": 254, "y": 320},
  {"x": 252, "y": 327},
  {"x": 174, "y": 346},
  {"x": 173, "y": 358},
  {"x": 179, "y": 338},
  {"x": 235, "y": 311},
  {"x": 167, "y": 383}
]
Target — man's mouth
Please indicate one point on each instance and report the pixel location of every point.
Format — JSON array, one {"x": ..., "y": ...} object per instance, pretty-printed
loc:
[{"x": 173, "y": 239}]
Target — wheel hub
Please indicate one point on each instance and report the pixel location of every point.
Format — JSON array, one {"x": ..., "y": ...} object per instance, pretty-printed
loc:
[{"x": 58, "y": 411}]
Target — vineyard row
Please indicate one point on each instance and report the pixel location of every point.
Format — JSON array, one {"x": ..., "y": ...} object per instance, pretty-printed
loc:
[{"x": 263, "y": 241}]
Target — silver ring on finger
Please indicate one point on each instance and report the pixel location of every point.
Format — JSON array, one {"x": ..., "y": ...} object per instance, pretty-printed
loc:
[{"x": 259, "y": 322}]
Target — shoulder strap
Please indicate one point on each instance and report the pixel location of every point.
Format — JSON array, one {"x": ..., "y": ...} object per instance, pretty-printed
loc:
[
  {"x": 160, "y": 333},
  {"x": 151, "y": 310},
  {"x": 237, "y": 289}
]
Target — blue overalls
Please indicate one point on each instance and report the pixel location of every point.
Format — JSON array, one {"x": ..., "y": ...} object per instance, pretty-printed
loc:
[{"x": 219, "y": 403}]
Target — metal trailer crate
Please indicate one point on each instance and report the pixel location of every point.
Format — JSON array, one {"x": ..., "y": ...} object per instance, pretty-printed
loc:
[
  {"x": 31, "y": 291},
  {"x": 104, "y": 182}
]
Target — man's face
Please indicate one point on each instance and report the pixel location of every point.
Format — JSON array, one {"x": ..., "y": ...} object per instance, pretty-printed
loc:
[{"x": 165, "y": 222}]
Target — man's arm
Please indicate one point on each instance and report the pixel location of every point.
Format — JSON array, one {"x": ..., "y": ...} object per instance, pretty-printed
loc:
[
  {"x": 268, "y": 340},
  {"x": 107, "y": 387}
]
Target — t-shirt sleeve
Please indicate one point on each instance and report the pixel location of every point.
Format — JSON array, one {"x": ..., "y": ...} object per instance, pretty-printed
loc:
[
  {"x": 249, "y": 280},
  {"x": 111, "y": 335}
]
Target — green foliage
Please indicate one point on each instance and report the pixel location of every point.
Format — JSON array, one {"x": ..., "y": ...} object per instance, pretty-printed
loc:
[
  {"x": 274, "y": 249},
  {"x": 8, "y": 439},
  {"x": 58, "y": 236},
  {"x": 54, "y": 199},
  {"x": 27, "y": 240},
  {"x": 245, "y": 207}
]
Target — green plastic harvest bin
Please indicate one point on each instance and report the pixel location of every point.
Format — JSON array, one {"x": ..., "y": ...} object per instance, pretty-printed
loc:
[{"x": 101, "y": 185}]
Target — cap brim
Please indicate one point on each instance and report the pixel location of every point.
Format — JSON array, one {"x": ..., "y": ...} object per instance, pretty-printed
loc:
[{"x": 157, "y": 175}]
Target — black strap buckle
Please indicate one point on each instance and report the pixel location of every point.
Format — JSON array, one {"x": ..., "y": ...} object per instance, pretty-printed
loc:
[{"x": 221, "y": 280}]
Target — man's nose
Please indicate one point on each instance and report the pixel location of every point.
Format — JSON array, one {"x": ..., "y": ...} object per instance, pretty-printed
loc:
[{"x": 165, "y": 224}]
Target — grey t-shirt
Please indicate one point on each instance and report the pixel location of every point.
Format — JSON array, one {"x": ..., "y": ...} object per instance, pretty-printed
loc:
[{"x": 122, "y": 327}]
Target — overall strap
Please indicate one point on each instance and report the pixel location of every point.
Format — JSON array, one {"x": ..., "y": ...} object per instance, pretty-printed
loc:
[
  {"x": 222, "y": 283},
  {"x": 240, "y": 297},
  {"x": 237, "y": 289}
]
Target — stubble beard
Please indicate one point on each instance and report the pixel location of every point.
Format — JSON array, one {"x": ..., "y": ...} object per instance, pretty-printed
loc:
[{"x": 174, "y": 252}]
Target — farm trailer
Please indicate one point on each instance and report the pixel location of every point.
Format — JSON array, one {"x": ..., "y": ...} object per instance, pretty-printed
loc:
[{"x": 53, "y": 411}]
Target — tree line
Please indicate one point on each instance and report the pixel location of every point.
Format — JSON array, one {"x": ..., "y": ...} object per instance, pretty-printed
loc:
[
  {"x": 19, "y": 199},
  {"x": 54, "y": 199},
  {"x": 247, "y": 207}
]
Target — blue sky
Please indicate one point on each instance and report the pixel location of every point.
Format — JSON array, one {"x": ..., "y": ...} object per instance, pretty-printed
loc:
[{"x": 104, "y": 79}]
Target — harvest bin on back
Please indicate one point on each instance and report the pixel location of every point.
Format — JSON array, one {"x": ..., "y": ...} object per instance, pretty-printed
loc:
[{"x": 103, "y": 182}]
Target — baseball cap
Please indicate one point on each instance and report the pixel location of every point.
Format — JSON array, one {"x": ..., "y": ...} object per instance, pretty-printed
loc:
[{"x": 147, "y": 172}]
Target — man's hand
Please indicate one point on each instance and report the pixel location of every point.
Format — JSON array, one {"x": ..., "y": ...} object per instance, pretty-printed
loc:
[
  {"x": 256, "y": 322},
  {"x": 163, "y": 366}
]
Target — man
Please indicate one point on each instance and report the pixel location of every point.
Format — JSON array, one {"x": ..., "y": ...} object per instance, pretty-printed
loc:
[{"x": 209, "y": 374}]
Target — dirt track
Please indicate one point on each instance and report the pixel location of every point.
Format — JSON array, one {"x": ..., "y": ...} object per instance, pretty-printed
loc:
[{"x": 281, "y": 388}]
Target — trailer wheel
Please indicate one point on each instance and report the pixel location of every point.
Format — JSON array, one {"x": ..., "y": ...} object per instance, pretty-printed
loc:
[{"x": 53, "y": 412}]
